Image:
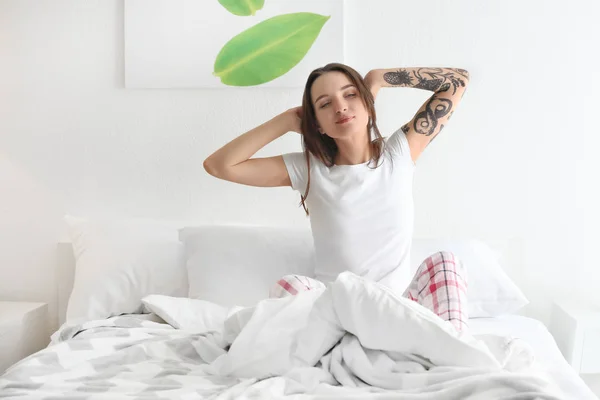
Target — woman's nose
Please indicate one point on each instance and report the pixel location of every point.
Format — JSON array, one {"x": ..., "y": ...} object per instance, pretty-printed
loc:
[{"x": 340, "y": 107}]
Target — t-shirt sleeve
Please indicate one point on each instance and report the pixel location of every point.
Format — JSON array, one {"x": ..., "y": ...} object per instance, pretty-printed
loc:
[
  {"x": 398, "y": 144},
  {"x": 297, "y": 170}
]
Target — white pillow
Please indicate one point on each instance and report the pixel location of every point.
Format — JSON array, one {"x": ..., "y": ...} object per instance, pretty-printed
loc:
[
  {"x": 117, "y": 263},
  {"x": 237, "y": 265},
  {"x": 490, "y": 291}
]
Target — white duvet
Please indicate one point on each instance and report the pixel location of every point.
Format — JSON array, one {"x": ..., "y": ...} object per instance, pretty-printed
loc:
[{"x": 353, "y": 339}]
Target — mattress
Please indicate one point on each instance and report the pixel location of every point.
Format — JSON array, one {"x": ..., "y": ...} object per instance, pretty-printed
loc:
[{"x": 544, "y": 346}]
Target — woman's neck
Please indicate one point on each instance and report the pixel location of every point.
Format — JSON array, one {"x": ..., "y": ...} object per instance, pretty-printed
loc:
[{"x": 352, "y": 151}]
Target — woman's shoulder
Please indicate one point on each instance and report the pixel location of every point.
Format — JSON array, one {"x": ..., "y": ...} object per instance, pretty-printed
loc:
[
  {"x": 398, "y": 145},
  {"x": 299, "y": 159},
  {"x": 299, "y": 170}
]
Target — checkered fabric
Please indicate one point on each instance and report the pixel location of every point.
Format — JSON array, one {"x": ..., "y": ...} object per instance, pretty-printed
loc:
[
  {"x": 290, "y": 285},
  {"x": 440, "y": 284}
]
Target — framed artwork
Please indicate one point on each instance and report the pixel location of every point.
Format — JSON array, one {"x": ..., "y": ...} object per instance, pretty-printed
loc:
[{"x": 229, "y": 43}]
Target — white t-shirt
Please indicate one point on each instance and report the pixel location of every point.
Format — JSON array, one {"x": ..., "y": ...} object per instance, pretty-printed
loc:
[{"x": 361, "y": 217}]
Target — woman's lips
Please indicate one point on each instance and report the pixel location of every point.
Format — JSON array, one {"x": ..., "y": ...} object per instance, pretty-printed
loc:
[{"x": 343, "y": 121}]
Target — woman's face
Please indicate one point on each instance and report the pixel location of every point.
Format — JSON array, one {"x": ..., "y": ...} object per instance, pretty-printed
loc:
[{"x": 338, "y": 106}]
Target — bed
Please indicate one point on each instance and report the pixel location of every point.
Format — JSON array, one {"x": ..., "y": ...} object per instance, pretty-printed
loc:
[
  {"x": 546, "y": 349},
  {"x": 141, "y": 355}
]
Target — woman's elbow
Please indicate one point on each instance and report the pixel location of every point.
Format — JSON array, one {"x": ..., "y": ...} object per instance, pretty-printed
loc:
[{"x": 210, "y": 167}]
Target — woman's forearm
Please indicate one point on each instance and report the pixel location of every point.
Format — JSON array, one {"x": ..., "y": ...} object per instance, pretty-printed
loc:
[
  {"x": 246, "y": 145},
  {"x": 432, "y": 79}
]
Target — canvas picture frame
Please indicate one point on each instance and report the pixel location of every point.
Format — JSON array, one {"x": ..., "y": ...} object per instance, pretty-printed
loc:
[{"x": 229, "y": 43}]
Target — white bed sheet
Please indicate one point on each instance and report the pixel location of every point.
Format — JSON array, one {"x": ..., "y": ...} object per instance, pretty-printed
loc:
[{"x": 546, "y": 350}]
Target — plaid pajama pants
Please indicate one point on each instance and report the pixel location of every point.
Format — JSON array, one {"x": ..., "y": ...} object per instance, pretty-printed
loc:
[{"x": 440, "y": 284}]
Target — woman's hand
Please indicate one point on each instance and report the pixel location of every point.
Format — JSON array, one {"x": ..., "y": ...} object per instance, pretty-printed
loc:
[
  {"x": 294, "y": 117},
  {"x": 372, "y": 82}
]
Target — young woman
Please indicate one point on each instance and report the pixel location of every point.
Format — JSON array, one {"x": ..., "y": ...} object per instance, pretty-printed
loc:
[{"x": 355, "y": 186}]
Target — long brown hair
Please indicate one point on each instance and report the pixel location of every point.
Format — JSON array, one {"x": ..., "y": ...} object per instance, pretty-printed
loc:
[{"x": 322, "y": 146}]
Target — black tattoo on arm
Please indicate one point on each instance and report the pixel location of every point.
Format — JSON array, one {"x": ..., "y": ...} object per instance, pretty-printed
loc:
[
  {"x": 400, "y": 77},
  {"x": 460, "y": 71},
  {"x": 432, "y": 79},
  {"x": 434, "y": 136},
  {"x": 426, "y": 121}
]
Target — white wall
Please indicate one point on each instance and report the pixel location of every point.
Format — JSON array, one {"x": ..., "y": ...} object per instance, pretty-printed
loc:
[{"x": 513, "y": 166}]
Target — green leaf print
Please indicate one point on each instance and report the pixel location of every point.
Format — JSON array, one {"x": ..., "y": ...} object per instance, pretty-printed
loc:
[
  {"x": 242, "y": 7},
  {"x": 268, "y": 50}
]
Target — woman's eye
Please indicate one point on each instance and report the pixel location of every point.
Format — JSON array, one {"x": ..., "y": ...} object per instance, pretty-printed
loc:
[{"x": 327, "y": 103}]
